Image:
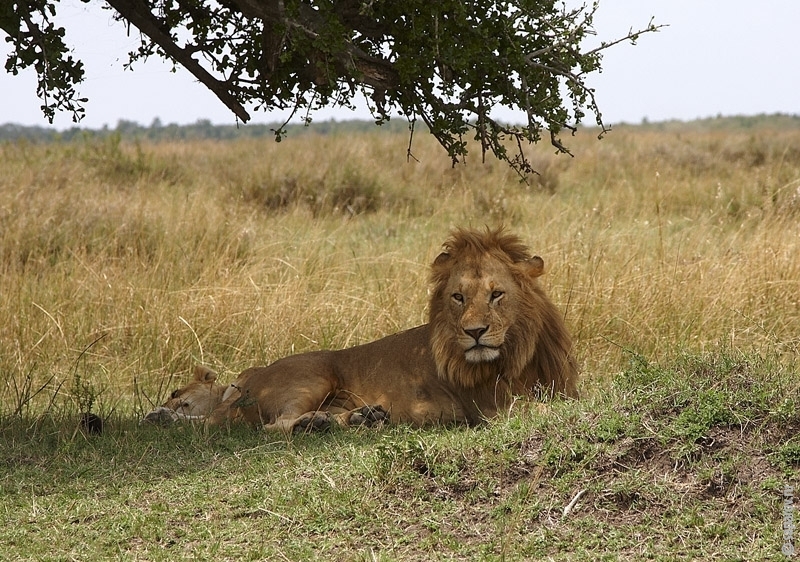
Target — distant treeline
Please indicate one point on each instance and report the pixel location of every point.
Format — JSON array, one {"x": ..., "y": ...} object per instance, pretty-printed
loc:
[
  {"x": 205, "y": 130},
  {"x": 731, "y": 123},
  {"x": 200, "y": 130}
]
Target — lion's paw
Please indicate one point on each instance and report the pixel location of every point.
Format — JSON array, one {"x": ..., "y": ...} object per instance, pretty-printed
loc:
[
  {"x": 312, "y": 421},
  {"x": 369, "y": 416},
  {"x": 160, "y": 416}
]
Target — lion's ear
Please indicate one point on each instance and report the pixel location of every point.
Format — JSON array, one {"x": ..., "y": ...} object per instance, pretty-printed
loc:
[
  {"x": 441, "y": 258},
  {"x": 533, "y": 266},
  {"x": 204, "y": 374}
]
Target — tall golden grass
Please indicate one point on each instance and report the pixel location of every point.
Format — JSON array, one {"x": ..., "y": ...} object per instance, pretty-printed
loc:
[{"x": 122, "y": 264}]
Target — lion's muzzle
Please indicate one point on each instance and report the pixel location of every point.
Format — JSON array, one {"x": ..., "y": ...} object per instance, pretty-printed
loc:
[{"x": 478, "y": 347}]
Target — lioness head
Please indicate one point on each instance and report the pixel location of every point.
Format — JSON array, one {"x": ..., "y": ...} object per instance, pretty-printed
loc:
[
  {"x": 194, "y": 401},
  {"x": 486, "y": 310}
]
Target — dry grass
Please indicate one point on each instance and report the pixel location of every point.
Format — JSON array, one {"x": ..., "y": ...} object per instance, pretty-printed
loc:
[
  {"x": 126, "y": 263},
  {"x": 674, "y": 256}
]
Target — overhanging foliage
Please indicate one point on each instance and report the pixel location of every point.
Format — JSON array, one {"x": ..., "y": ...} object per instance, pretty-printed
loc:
[{"x": 449, "y": 63}]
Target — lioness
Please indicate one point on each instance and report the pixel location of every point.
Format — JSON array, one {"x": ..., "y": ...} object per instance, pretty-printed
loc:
[{"x": 492, "y": 335}]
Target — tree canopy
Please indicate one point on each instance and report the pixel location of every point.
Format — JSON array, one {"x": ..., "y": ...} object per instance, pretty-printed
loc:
[{"x": 448, "y": 63}]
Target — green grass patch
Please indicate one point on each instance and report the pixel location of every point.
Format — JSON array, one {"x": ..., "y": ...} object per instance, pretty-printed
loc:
[{"x": 685, "y": 459}]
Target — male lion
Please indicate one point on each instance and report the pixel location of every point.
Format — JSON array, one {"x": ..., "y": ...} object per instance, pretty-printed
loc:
[{"x": 492, "y": 335}]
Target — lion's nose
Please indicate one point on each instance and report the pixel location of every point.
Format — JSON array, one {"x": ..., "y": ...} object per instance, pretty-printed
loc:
[{"x": 476, "y": 333}]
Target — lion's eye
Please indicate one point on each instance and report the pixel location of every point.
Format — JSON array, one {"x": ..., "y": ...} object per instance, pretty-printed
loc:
[
  {"x": 496, "y": 295},
  {"x": 458, "y": 297}
]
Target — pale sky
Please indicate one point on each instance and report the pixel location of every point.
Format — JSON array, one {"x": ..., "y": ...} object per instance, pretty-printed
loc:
[{"x": 717, "y": 57}]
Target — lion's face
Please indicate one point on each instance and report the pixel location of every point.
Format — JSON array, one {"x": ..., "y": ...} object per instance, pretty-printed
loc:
[
  {"x": 481, "y": 309},
  {"x": 194, "y": 400}
]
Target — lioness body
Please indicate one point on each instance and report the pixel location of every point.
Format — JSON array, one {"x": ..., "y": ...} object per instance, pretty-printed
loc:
[{"x": 492, "y": 335}]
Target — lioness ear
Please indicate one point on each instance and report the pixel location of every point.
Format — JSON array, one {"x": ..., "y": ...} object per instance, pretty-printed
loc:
[
  {"x": 533, "y": 266},
  {"x": 204, "y": 374}
]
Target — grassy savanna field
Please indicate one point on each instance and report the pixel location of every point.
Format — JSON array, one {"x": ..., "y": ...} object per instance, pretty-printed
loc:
[{"x": 674, "y": 254}]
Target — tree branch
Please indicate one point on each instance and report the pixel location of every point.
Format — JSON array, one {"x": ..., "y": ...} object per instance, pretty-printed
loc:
[{"x": 140, "y": 16}]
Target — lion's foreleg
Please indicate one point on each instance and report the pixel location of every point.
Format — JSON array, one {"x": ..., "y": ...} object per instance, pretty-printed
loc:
[
  {"x": 367, "y": 416},
  {"x": 306, "y": 423},
  {"x": 322, "y": 420}
]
